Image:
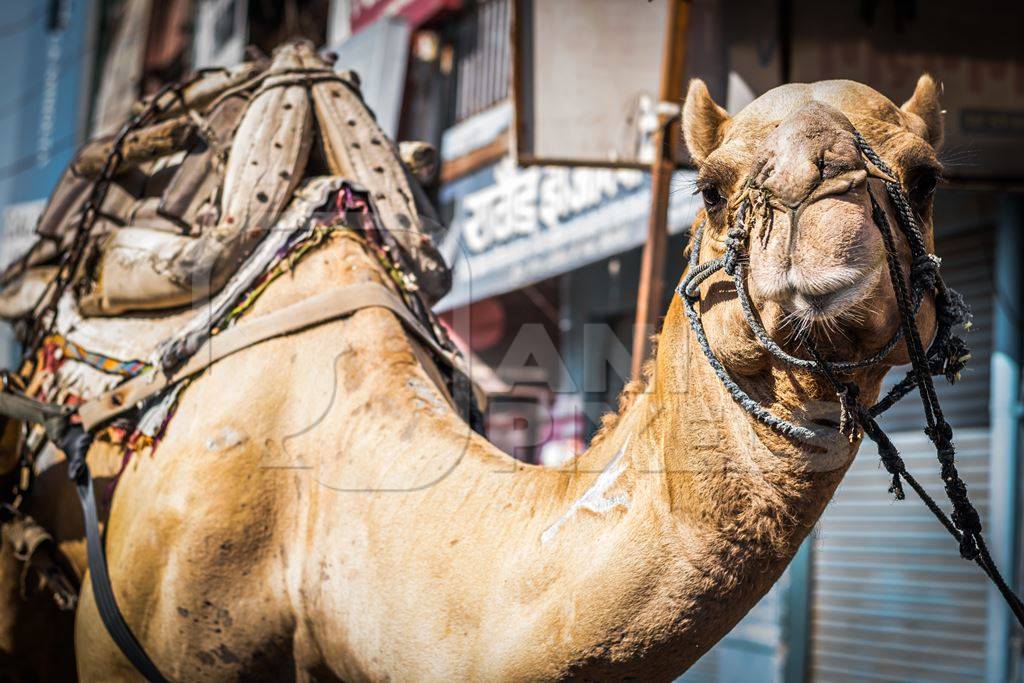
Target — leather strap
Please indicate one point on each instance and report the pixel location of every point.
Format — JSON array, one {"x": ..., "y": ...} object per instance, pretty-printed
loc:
[
  {"x": 75, "y": 439},
  {"x": 433, "y": 372},
  {"x": 317, "y": 310},
  {"x": 75, "y": 445},
  {"x": 52, "y": 417}
]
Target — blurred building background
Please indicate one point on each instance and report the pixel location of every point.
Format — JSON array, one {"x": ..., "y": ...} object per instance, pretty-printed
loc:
[{"x": 546, "y": 245}]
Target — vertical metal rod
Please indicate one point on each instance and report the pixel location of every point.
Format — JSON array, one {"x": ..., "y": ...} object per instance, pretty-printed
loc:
[
  {"x": 1004, "y": 405},
  {"x": 796, "y": 623},
  {"x": 652, "y": 267}
]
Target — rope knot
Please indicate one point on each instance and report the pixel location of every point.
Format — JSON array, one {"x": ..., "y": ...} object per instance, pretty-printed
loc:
[
  {"x": 893, "y": 464},
  {"x": 967, "y": 519},
  {"x": 730, "y": 262},
  {"x": 941, "y": 434},
  {"x": 896, "y": 488},
  {"x": 733, "y": 241},
  {"x": 75, "y": 443},
  {"x": 849, "y": 411},
  {"x": 955, "y": 357},
  {"x": 968, "y": 547},
  {"x": 953, "y": 309},
  {"x": 925, "y": 270}
]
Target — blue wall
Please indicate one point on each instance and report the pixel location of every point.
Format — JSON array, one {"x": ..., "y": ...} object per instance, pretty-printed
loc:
[{"x": 46, "y": 55}]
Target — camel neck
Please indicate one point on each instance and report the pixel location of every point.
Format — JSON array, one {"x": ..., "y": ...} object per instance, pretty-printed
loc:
[
  {"x": 666, "y": 530},
  {"x": 729, "y": 480}
]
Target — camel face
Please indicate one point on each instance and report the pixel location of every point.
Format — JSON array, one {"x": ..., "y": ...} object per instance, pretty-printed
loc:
[
  {"x": 817, "y": 260},
  {"x": 820, "y": 254}
]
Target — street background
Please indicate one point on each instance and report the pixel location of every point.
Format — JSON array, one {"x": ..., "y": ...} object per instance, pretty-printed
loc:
[{"x": 546, "y": 114}]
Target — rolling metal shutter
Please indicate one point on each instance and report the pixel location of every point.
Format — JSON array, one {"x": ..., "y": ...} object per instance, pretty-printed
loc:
[
  {"x": 891, "y": 598},
  {"x": 967, "y": 267}
]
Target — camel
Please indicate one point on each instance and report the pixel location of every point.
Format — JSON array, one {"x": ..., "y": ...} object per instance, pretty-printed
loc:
[{"x": 317, "y": 510}]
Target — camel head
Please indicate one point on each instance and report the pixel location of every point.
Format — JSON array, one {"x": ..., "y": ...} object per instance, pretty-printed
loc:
[{"x": 817, "y": 262}]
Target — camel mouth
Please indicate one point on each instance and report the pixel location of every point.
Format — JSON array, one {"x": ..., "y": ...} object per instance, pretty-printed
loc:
[
  {"x": 824, "y": 431},
  {"x": 821, "y": 419},
  {"x": 813, "y": 303},
  {"x": 817, "y": 307}
]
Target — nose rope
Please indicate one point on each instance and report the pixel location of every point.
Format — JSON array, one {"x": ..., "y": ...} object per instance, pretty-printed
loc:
[
  {"x": 946, "y": 355},
  {"x": 688, "y": 290}
]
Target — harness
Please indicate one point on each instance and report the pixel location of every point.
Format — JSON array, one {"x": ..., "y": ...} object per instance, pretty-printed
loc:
[
  {"x": 380, "y": 208},
  {"x": 947, "y": 355},
  {"x": 72, "y": 428}
]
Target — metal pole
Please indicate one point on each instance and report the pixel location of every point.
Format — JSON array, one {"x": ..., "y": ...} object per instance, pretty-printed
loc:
[
  {"x": 797, "y": 620},
  {"x": 1004, "y": 407},
  {"x": 652, "y": 267}
]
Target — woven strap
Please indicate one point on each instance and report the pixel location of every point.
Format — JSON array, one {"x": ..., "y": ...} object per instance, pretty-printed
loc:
[{"x": 317, "y": 310}]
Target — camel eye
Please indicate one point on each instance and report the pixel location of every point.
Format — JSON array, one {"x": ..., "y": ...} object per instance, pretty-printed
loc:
[
  {"x": 713, "y": 199},
  {"x": 922, "y": 186}
]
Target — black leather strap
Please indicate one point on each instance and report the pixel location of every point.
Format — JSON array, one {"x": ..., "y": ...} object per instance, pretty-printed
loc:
[
  {"x": 52, "y": 417},
  {"x": 75, "y": 444}
]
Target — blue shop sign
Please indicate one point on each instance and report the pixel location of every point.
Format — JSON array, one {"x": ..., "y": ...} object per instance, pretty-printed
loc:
[{"x": 513, "y": 226}]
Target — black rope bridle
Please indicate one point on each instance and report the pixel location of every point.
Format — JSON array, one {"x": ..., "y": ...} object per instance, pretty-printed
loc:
[{"x": 946, "y": 355}]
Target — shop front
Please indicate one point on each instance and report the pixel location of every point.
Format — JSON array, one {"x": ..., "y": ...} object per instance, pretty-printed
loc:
[{"x": 552, "y": 252}]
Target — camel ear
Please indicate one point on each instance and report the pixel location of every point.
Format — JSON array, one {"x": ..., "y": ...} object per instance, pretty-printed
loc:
[
  {"x": 925, "y": 104},
  {"x": 703, "y": 121}
]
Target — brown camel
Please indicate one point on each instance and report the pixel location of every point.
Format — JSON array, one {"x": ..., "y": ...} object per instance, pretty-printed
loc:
[{"x": 317, "y": 511}]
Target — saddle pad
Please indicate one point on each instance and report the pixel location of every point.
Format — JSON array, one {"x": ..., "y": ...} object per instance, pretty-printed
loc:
[{"x": 146, "y": 337}]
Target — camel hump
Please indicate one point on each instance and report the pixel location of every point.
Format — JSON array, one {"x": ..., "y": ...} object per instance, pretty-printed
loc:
[{"x": 200, "y": 173}]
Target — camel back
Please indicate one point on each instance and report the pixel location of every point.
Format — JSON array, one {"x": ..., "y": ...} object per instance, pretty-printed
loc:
[{"x": 161, "y": 215}]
